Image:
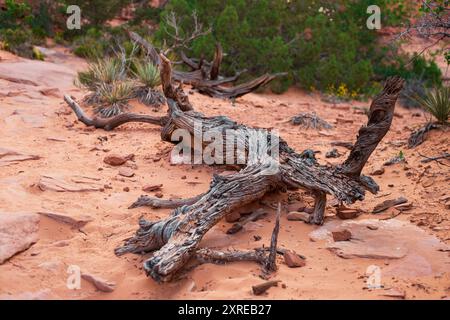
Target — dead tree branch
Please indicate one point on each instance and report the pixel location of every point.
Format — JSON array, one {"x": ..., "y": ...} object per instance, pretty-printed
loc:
[{"x": 417, "y": 137}]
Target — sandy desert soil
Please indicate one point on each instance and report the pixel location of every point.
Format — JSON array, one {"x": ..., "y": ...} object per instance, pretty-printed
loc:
[{"x": 35, "y": 121}]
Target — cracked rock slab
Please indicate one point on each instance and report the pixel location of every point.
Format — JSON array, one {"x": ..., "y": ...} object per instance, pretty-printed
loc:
[
  {"x": 69, "y": 184},
  {"x": 412, "y": 251},
  {"x": 18, "y": 231}
]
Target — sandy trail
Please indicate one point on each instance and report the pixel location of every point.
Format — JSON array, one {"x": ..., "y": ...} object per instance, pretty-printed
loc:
[{"x": 34, "y": 120}]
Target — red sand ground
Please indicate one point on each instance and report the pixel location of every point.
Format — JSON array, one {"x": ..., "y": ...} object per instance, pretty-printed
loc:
[{"x": 33, "y": 123}]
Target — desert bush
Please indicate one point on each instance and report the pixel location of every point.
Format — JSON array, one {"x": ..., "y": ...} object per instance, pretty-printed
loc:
[
  {"x": 93, "y": 44},
  {"x": 106, "y": 79},
  {"x": 420, "y": 74},
  {"x": 15, "y": 14},
  {"x": 149, "y": 77},
  {"x": 411, "y": 67},
  {"x": 20, "y": 29},
  {"x": 147, "y": 73},
  {"x": 413, "y": 88},
  {"x": 437, "y": 102},
  {"x": 322, "y": 44},
  {"x": 113, "y": 97},
  {"x": 17, "y": 41}
]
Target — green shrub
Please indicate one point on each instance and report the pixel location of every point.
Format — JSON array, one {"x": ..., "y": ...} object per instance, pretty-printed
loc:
[
  {"x": 103, "y": 71},
  {"x": 411, "y": 67},
  {"x": 17, "y": 41},
  {"x": 145, "y": 13},
  {"x": 420, "y": 74},
  {"x": 91, "y": 45},
  {"x": 412, "y": 89}
]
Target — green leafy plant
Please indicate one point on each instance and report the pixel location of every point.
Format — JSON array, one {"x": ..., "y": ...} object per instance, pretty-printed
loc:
[
  {"x": 147, "y": 73},
  {"x": 148, "y": 76},
  {"x": 437, "y": 102},
  {"x": 15, "y": 13},
  {"x": 114, "y": 97},
  {"x": 103, "y": 71}
]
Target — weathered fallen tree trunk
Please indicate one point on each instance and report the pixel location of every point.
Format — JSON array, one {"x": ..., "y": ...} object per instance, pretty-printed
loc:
[
  {"x": 418, "y": 136},
  {"x": 175, "y": 239},
  {"x": 204, "y": 75}
]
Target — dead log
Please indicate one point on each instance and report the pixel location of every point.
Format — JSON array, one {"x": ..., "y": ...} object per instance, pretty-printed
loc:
[
  {"x": 152, "y": 53},
  {"x": 206, "y": 255},
  {"x": 204, "y": 75},
  {"x": 445, "y": 155},
  {"x": 175, "y": 239},
  {"x": 381, "y": 113},
  {"x": 189, "y": 62},
  {"x": 259, "y": 255},
  {"x": 170, "y": 91}
]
